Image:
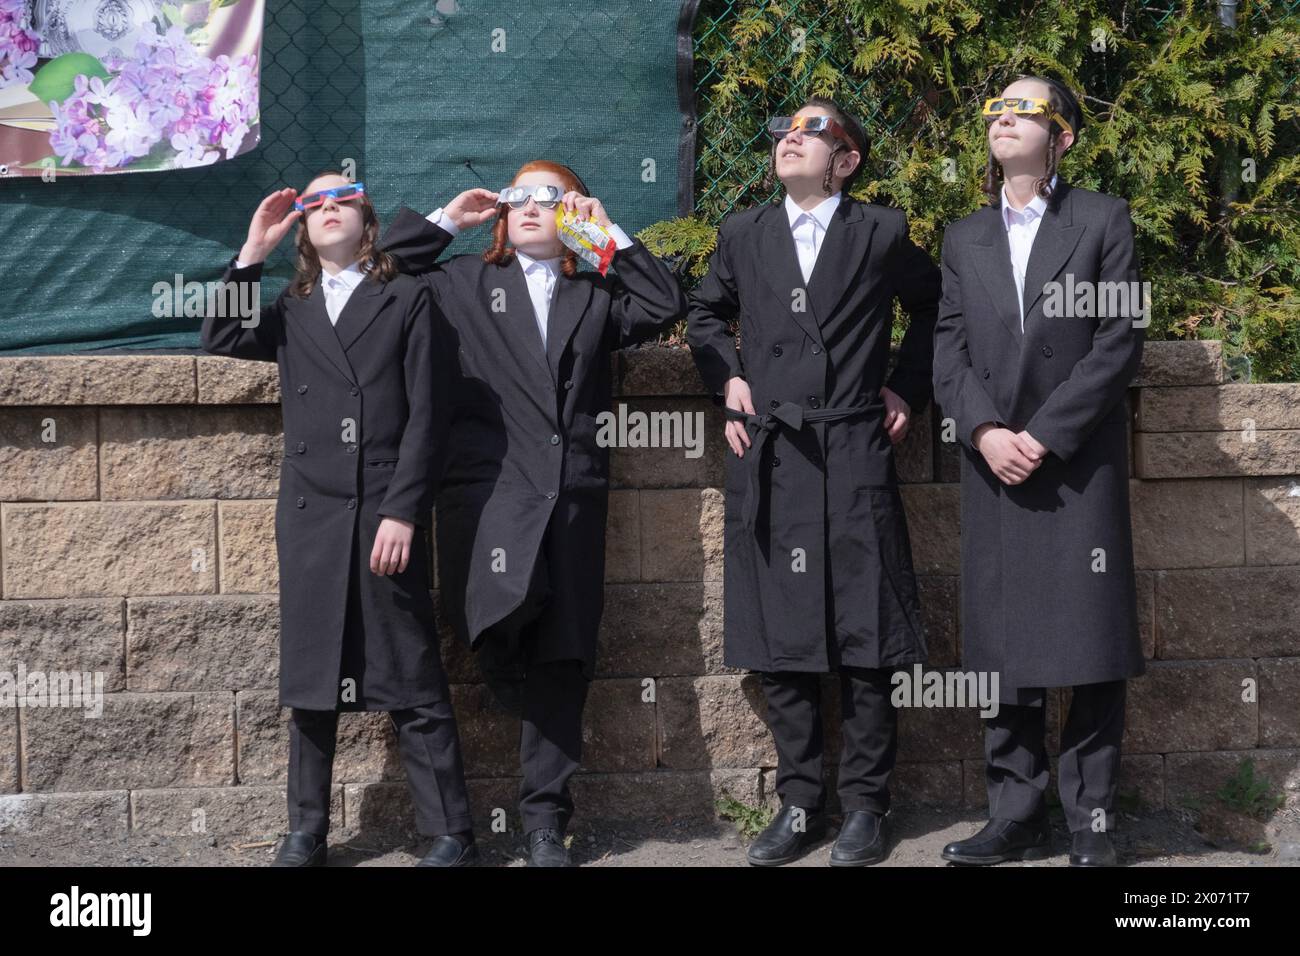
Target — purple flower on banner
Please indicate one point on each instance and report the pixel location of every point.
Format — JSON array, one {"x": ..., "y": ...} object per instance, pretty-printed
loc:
[
  {"x": 168, "y": 93},
  {"x": 18, "y": 44}
]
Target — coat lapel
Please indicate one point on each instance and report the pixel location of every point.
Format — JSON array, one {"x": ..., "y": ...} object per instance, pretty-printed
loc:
[
  {"x": 363, "y": 306},
  {"x": 843, "y": 250},
  {"x": 567, "y": 309},
  {"x": 522, "y": 337},
  {"x": 1053, "y": 245},
  {"x": 779, "y": 261},
  {"x": 992, "y": 257},
  {"x": 315, "y": 322}
]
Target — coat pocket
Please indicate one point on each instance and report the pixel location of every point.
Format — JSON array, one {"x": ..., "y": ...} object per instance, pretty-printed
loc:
[{"x": 382, "y": 463}]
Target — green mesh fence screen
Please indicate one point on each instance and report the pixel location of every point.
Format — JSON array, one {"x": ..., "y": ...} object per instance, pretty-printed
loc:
[{"x": 426, "y": 98}]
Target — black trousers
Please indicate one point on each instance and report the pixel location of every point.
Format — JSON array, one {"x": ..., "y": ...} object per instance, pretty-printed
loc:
[
  {"x": 869, "y": 730},
  {"x": 430, "y": 749},
  {"x": 547, "y": 696},
  {"x": 1016, "y": 760}
]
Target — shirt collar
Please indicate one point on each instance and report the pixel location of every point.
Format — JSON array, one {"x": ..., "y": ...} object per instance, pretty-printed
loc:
[
  {"x": 551, "y": 265},
  {"x": 1033, "y": 209},
  {"x": 822, "y": 212},
  {"x": 350, "y": 277}
]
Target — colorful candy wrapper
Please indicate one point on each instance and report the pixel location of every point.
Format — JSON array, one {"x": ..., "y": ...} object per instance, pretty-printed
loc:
[{"x": 586, "y": 237}]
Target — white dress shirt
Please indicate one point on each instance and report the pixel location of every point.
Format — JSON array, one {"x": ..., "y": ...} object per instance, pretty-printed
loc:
[
  {"x": 337, "y": 288},
  {"x": 1022, "y": 226},
  {"x": 809, "y": 228},
  {"x": 540, "y": 274}
]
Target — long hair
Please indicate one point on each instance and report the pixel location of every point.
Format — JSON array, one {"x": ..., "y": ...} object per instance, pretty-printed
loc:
[
  {"x": 1063, "y": 101},
  {"x": 374, "y": 263},
  {"x": 851, "y": 126},
  {"x": 501, "y": 253}
]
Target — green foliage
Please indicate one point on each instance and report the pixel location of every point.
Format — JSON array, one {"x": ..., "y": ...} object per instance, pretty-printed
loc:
[
  {"x": 1249, "y": 794},
  {"x": 1196, "y": 125},
  {"x": 749, "y": 820}
]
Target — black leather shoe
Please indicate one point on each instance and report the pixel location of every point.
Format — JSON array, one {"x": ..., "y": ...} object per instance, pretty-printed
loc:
[
  {"x": 863, "y": 839},
  {"x": 1092, "y": 849},
  {"x": 301, "y": 849},
  {"x": 546, "y": 847},
  {"x": 781, "y": 843},
  {"x": 1002, "y": 840},
  {"x": 449, "y": 851}
]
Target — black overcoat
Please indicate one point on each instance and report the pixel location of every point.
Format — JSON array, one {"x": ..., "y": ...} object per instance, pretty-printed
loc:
[
  {"x": 818, "y": 567},
  {"x": 1048, "y": 594},
  {"x": 365, "y": 415},
  {"x": 522, "y": 453}
]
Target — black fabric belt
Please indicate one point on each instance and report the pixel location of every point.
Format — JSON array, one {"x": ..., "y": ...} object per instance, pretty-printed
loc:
[{"x": 792, "y": 416}]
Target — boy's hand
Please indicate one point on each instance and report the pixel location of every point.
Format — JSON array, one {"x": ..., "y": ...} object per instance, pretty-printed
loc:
[
  {"x": 1031, "y": 446},
  {"x": 392, "y": 550},
  {"x": 586, "y": 207},
  {"x": 737, "y": 396},
  {"x": 473, "y": 207},
  {"x": 898, "y": 415},
  {"x": 1009, "y": 457},
  {"x": 269, "y": 225}
]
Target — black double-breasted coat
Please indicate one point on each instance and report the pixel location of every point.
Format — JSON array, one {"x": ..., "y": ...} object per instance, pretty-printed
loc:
[
  {"x": 1048, "y": 594},
  {"x": 364, "y": 411},
  {"x": 818, "y": 568},
  {"x": 523, "y": 458}
]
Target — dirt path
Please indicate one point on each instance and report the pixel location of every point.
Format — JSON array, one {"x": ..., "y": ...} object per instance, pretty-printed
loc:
[{"x": 1164, "y": 838}]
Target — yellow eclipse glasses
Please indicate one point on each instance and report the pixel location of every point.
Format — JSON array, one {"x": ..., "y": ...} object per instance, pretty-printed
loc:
[{"x": 1023, "y": 106}]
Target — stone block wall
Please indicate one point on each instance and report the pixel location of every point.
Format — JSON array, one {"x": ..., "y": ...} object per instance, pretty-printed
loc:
[{"x": 137, "y": 545}]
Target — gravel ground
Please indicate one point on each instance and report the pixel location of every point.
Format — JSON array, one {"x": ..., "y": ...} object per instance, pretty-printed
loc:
[{"x": 1161, "y": 838}]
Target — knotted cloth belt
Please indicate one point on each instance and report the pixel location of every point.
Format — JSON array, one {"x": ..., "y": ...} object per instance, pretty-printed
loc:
[{"x": 792, "y": 416}]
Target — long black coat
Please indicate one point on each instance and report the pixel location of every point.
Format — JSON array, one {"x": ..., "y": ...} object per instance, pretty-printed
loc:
[
  {"x": 1036, "y": 608},
  {"x": 522, "y": 453},
  {"x": 822, "y": 575},
  {"x": 364, "y": 412}
]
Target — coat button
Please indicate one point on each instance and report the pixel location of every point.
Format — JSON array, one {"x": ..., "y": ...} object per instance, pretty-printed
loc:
[
  {"x": 986, "y": 373},
  {"x": 776, "y": 350},
  {"x": 814, "y": 401},
  {"x": 355, "y": 391},
  {"x": 1047, "y": 351},
  {"x": 352, "y": 503},
  {"x": 776, "y": 461},
  {"x": 817, "y": 350},
  {"x": 352, "y": 449},
  {"x": 773, "y": 403},
  {"x": 550, "y": 494},
  {"x": 568, "y": 383},
  {"x": 302, "y": 502},
  {"x": 555, "y": 439},
  {"x": 302, "y": 389},
  {"x": 302, "y": 447}
]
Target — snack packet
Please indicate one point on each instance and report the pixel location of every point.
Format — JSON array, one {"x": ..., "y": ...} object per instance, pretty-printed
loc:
[{"x": 585, "y": 237}]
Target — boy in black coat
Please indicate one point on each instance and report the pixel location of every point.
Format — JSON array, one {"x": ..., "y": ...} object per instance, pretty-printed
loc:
[
  {"x": 523, "y": 505},
  {"x": 818, "y": 563},
  {"x": 1033, "y": 379},
  {"x": 363, "y": 383}
]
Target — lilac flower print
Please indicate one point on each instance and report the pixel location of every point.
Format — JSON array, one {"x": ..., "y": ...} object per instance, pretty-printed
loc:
[
  {"x": 167, "y": 92},
  {"x": 191, "y": 149},
  {"x": 18, "y": 44}
]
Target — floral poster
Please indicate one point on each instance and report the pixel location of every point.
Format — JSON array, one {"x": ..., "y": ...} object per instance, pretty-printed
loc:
[{"x": 119, "y": 86}]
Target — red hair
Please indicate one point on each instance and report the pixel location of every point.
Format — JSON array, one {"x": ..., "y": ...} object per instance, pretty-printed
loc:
[{"x": 501, "y": 253}]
